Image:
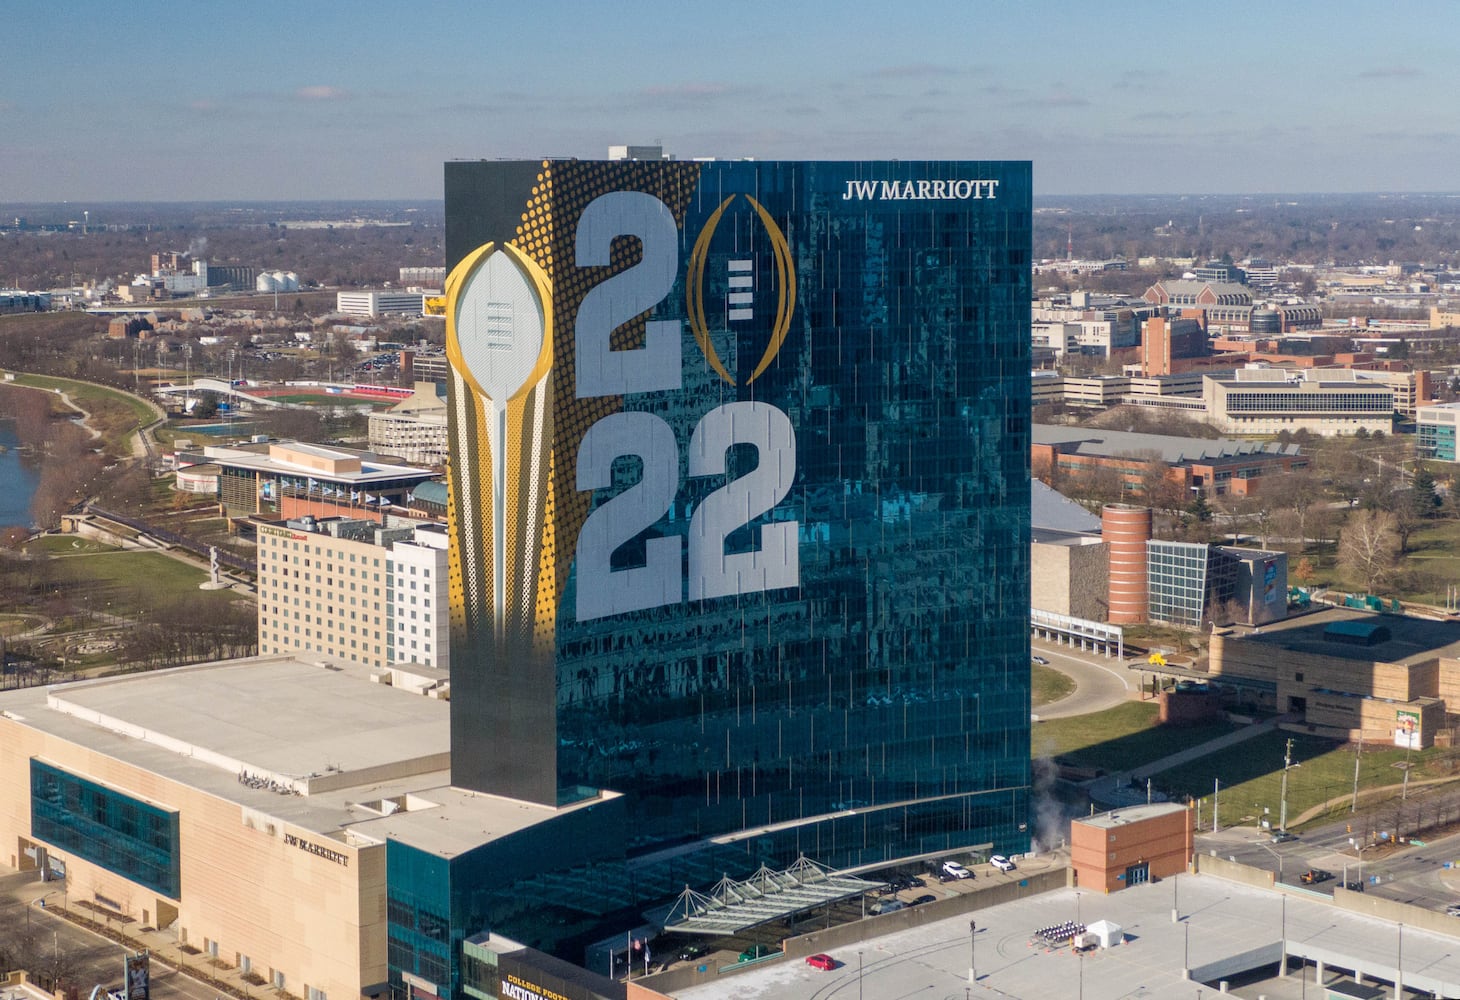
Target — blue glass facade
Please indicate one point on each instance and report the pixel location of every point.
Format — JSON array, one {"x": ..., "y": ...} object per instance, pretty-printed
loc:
[
  {"x": 127, "y": 836},
  {"x": 783, "y": 587},
  {"x": 1435, "y": 440}
]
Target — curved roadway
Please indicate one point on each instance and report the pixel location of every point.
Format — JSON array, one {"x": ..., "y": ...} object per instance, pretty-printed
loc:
[{"x": 1100, "y": 682}]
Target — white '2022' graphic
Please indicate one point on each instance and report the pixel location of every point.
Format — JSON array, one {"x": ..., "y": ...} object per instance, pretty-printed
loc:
[{"x": 656, "y": 366}]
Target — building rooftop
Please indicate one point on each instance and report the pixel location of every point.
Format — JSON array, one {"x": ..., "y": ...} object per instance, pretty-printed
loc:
[
  {"x": 253, "y": 731},
  {"x": 1172, "y": 450},
  {"x": 1351, "y": 634},
  {"x": 1131, "y": 814},
  {"x": 1225, "y": 928},
  {"x": 1051, "y": 512},
  {"x": 316, "y": 461}
]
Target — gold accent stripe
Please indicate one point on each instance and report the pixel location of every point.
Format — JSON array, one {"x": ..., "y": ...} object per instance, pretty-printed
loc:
[{"x": 785, "y": 289}]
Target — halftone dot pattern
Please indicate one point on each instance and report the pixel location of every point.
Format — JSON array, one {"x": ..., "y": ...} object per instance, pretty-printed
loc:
[{"x": 548, "y": 233}]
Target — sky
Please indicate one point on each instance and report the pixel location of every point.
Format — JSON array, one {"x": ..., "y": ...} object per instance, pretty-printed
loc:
[{"x": 320, "y": 99}]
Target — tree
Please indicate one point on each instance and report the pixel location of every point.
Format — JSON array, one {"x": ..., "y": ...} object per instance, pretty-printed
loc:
[
  {"x": 1305, "y": 572},
  {"x": 1422, "y": 488},
  {"x": 1369, "y": 547}
]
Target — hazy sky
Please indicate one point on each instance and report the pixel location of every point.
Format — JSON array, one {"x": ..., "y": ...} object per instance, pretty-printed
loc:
[{"x": 362, "y": 99}]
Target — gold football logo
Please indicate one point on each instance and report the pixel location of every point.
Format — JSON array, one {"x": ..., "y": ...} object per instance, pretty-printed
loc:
[{"x": 694, "y": 292}]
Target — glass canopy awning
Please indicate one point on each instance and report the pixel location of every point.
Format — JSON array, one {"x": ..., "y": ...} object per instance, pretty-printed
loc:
[{"x": 766, "y": 896}]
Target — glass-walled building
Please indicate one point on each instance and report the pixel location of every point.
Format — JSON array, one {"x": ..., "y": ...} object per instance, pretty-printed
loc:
[
  {"x": 740, "y": 503},
  {"x": 1435, "y": 432}
]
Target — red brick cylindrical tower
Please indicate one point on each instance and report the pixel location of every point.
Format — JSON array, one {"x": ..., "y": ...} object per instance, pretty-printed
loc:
[{"x": 1126, "y": 530}]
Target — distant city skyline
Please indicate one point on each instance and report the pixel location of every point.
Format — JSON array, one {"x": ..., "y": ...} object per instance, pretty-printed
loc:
[{"x": 367, "y": 100}]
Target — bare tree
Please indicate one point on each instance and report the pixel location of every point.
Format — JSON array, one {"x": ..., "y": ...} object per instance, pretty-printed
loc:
[{"x": 1369, "y": 547}]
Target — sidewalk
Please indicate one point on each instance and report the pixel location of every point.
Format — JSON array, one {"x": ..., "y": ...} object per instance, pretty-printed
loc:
[{"x": 168, "y": 959}]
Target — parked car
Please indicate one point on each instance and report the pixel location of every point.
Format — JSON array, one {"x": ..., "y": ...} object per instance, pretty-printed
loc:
[
  {"x": 1040, "y": 660},
  {"x": 956, "y": 870},
  {"x": 1315, "y": 875},
  {"x": 1002, "y": 863},
  {"x": 690, "y": 952},
  {"x": 926, "y": 897},
  {"x": 886, "y": 906},
  {"x": 1283, "y": 836},
  {"x": 758, "y": 951},
  {"x": 823, "y": 962},
  {"x": 1354, "y": 886},
  {"x": 1453, "y": 910}
]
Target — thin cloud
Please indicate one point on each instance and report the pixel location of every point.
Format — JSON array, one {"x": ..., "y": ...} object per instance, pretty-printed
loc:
[
  {"x": 203, "y": 104},
  {"x": 690, "y": 90},
  {"x": 1058, "y": 99},
  {"x": 915, "y": 71},
  {"x": 321, "y": 92},
  {"x": 1391, "y": 73}
]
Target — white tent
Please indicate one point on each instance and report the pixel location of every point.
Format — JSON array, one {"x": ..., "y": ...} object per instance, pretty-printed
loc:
[{"x": 1108, "y": 933}]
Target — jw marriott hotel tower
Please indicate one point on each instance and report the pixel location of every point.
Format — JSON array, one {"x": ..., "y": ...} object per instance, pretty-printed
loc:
[{"x": 739, "y": 496}]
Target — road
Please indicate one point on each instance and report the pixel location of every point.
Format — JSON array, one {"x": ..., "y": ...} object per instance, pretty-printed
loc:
[
  {"x": 1100, "y": 682},
  {"x": 97, "y": 960},
  {"x": 1427, "y": 876}
]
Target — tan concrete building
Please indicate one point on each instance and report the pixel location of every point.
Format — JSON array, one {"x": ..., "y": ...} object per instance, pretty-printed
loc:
[
  {"x": 350, "y": 588},
  {"x": 220, "y": 803},
  {"x": 1068, "y": 575},
  {"x": 1350, "y": 673},
  {"x": 1270, "y": 400},
  {"x": 414, "y": 430}
]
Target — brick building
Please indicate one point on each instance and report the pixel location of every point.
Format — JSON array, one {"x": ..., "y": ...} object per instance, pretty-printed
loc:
[{"x": 1125, "y": 847}]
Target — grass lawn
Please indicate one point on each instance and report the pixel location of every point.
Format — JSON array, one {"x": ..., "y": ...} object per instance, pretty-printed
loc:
[
  {"x": 66, "y": 545},
  {"x": 1433, "y": 555},
  {"x": 1251, "y": 774},
  {"x": 1118, "y": 738},
  {"x": 15, "y": 624},
  {"x": 129, "y": 584},
  {"x": 1047, "y": 685},
  {"x": 116, "y": 415}
]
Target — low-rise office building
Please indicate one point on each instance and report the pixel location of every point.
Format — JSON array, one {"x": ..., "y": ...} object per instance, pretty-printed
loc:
[
  {"x": 380, "y": 303},
  {"x": 1218, "y": 466},
  {"x": 1268, "y": 401},
  {"x": 1131, "y": 846},
  {"x": 1435, "y": 432},
  {"x": 414, "y": 430}
]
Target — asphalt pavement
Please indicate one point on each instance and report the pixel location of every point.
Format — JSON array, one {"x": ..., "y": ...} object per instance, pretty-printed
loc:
[
  {"x": 1101, "y": 682},
  {"x": 98, "y": 960}
]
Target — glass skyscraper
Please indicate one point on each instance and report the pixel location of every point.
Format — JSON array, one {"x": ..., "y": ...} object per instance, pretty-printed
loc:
[{"x": 740, "y": 504}]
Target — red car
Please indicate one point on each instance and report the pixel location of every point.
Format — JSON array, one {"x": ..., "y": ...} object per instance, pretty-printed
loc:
[{"x": 823, "y": 962}]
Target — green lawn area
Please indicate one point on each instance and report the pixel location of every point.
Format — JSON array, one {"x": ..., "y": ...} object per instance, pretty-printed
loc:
[
  {"x": 1435, "y": 557},
  {"x": 1118, "y": 738},
  {"x": 15, "y": 624},
  {"x": 131, "y": 583},
  {"x": 89, "y": 392},
  {"x": 1047, "y": 685},
  {"x": 66, "y": 545},
  {"x": 116, "y": 415},
  {"x": 1251, "y": 776}
]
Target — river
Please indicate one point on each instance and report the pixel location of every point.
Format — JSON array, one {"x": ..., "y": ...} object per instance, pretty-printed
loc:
[{"x": 18, "y": 480}]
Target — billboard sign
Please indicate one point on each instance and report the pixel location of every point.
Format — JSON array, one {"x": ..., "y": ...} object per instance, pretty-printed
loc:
[
  {"x": 138, "y": 976},
  {"x": 1407, "y": 729}
]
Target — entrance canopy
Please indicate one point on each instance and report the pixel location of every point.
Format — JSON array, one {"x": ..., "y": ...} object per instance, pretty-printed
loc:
[{"x": 765, "y": 897}]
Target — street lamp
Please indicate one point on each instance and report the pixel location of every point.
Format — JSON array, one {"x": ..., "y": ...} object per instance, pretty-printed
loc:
[
  {"x": 972, "y": 952},
  {"x": 859, "y": 974}
]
